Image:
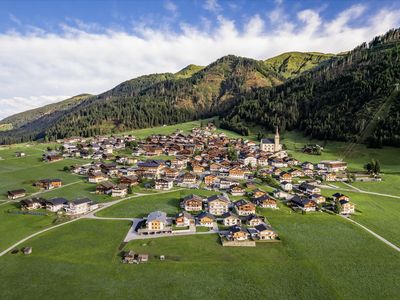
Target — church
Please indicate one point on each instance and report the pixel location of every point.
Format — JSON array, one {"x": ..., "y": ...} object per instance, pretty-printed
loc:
[{"x": 268, "y": 145}]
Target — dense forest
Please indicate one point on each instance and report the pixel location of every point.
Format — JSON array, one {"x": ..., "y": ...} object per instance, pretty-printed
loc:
[{"x": 349, "y": 97}]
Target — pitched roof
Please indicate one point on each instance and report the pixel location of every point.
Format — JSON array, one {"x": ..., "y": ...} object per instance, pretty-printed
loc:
[{"x": 157, "y": 216}]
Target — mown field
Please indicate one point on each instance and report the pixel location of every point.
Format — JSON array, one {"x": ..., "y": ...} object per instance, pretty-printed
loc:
[{"x": 320, "y": 256}]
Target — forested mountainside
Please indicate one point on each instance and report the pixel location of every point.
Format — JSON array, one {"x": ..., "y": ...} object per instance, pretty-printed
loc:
[
  {"x": 350, "y": 98},
  {"x": 152, "y": 100},
  {"x": 20, "y": 119}
]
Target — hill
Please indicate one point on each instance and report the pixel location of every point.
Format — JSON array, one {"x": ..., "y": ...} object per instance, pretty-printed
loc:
[
  {"x": 352, "y": 97},
  {"x": 20, "y": 119}
]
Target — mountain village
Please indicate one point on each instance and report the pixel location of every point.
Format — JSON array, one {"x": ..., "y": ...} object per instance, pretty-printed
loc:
[{"x": 235, "y": 169}]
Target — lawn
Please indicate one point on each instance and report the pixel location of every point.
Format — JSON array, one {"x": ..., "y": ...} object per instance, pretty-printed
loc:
[
  {"x": 142, "y": 206},
  {"x": 378, "y": 213},
  {"x": 321, "y": 256},
  {"x": 14, "y": 227},
  {"x": 390, "y": 184}
]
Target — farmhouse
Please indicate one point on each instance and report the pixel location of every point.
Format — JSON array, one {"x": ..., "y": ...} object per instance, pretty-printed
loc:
[
  {"x": 317, "y": 198},
  {"x": 129, "y": 180},
  {"x": 237, "y": 191},
  {"x": 48, "y": 184},
  {"x": 346, "y": 207},
  {"x": 258, "y": 193},
  {"x": 254, "y": 220},
  {"x": 105, "y": 187},
  {"x": 209, "y": 180},
  {"x": 237, "y": 173},
  {"x": 34, "y": 203},
  {"x": 15, "y": 194},
  {"x": 171, "y": 173},
  {"x": 286, "y": 186},
  {"x": 192, "y": 203},
  {"x": 97, "y": 177}
]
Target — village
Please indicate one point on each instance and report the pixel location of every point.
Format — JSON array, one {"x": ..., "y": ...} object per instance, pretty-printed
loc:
[{"x": 203, "y": 159}]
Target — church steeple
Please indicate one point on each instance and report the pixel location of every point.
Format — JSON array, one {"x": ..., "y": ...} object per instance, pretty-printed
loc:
[{"x": 277, "y": 145}]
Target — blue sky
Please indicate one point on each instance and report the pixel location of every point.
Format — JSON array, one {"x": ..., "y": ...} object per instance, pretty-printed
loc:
[{"x": 51, "y": 50}]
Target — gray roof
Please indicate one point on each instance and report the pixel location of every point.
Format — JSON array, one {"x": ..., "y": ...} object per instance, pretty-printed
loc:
[
  {"x": 157, "y": 216},
  {"x": 267, "y": 141}
]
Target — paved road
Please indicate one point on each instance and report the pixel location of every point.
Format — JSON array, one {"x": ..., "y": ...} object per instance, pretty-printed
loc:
[
  {"x": 374, "y": 234},
  {"x": 91, "y": 215},
  {"x": 354, "y": 190}
]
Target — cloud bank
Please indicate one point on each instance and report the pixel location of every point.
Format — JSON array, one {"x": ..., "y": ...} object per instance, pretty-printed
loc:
[{"x": 39, "y": 67}]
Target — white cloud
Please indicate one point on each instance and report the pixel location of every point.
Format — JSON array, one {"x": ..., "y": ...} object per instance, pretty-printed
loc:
[
  {"x": 88, "y": 59},
  {"x": 171, "y": 6},
  {"x": 212, "y": 5}
]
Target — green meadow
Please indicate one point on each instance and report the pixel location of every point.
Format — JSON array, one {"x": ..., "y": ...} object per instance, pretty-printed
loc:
[{"x": 320, "y": 256}]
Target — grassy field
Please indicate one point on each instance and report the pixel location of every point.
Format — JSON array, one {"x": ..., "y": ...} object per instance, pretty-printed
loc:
[
  {"x": 378, "y": 213},
  {"x": 321, "y": 256},
  {"x": 142, "y": 206},
  {"x": 14, "y": 227},
  {"x": 389, "y": 185}
]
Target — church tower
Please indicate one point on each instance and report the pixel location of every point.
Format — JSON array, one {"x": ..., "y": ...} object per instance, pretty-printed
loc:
[{"x": 277, "y": 145}]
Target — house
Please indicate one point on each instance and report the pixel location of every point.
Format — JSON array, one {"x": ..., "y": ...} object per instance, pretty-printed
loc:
[
  {"x": 48, "y": 184},
  {"x": 97, "y": 177},
  {"x": 230, "y": 219},
  {"x": 286, "y": 186},
  {"x": 309, "y": 188},
  {"x": 258, "y": 193},
  {"x": 250, "y": 161},
  {"x": 329, "y": 177},
  {"x": 192, "y": 203},
  {"x": 307, "y": 165},
  {"x": 254, "y": 220},
  {"x": 346, "y": 207},
  {"x": 163, "y": 184},
  {"x": 19, "y": 154},
  {"x": 296, "y": 173},
  {"x": 209, "y": 180},
  {"x": 244, "y": 208},
  {"x": 156, "y": 221},
  {"x": 198, "y": 169},
  {"x": 304, "y": 204},
  {"x": 80, "y": 206},
  {"x": 33, "y": 203},
  {"x": 237, "y": 191},
  {"x": 119, "y": 190},
  {"x": 183, "y": 219},
  {"x": 171, "y": 173},
  {"x": 237, "y": 233},
  {"x": 105, "y": 187},
  {"x": 218, "y": 205},
  {"x": 318, "y": 198},
  {"x": 15, "y": 194},
  {"x": 227, "y": 183},
  {"x": 266, "y": 201},
  {"x": 332, "y": 165},
  {"x": 285, "y": 176},
  {"x": 339, "y": 197},
  {"x": 56, "y": 204},
  {"x": 265, "y": 232},
  {"x": 189, "y": 179},
  {"x": 237, "y": 173},
  {"x": 129, "y": 180},
  {"x": 205, "y": 219}
]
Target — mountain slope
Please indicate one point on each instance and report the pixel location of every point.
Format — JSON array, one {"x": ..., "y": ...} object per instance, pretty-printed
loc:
[
  {"x": 20, "y": 119},
  {"x": 156, "y": 99},
  {"x": 291, "y": 64},
  {"x": 336, "y": 100}
]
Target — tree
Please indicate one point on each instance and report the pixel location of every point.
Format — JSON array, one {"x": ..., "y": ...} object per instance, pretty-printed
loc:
[{"x": 232, "y": 153}]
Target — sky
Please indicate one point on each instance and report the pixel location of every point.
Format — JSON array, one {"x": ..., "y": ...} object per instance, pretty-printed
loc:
[{"x": 51, "y": 50}]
